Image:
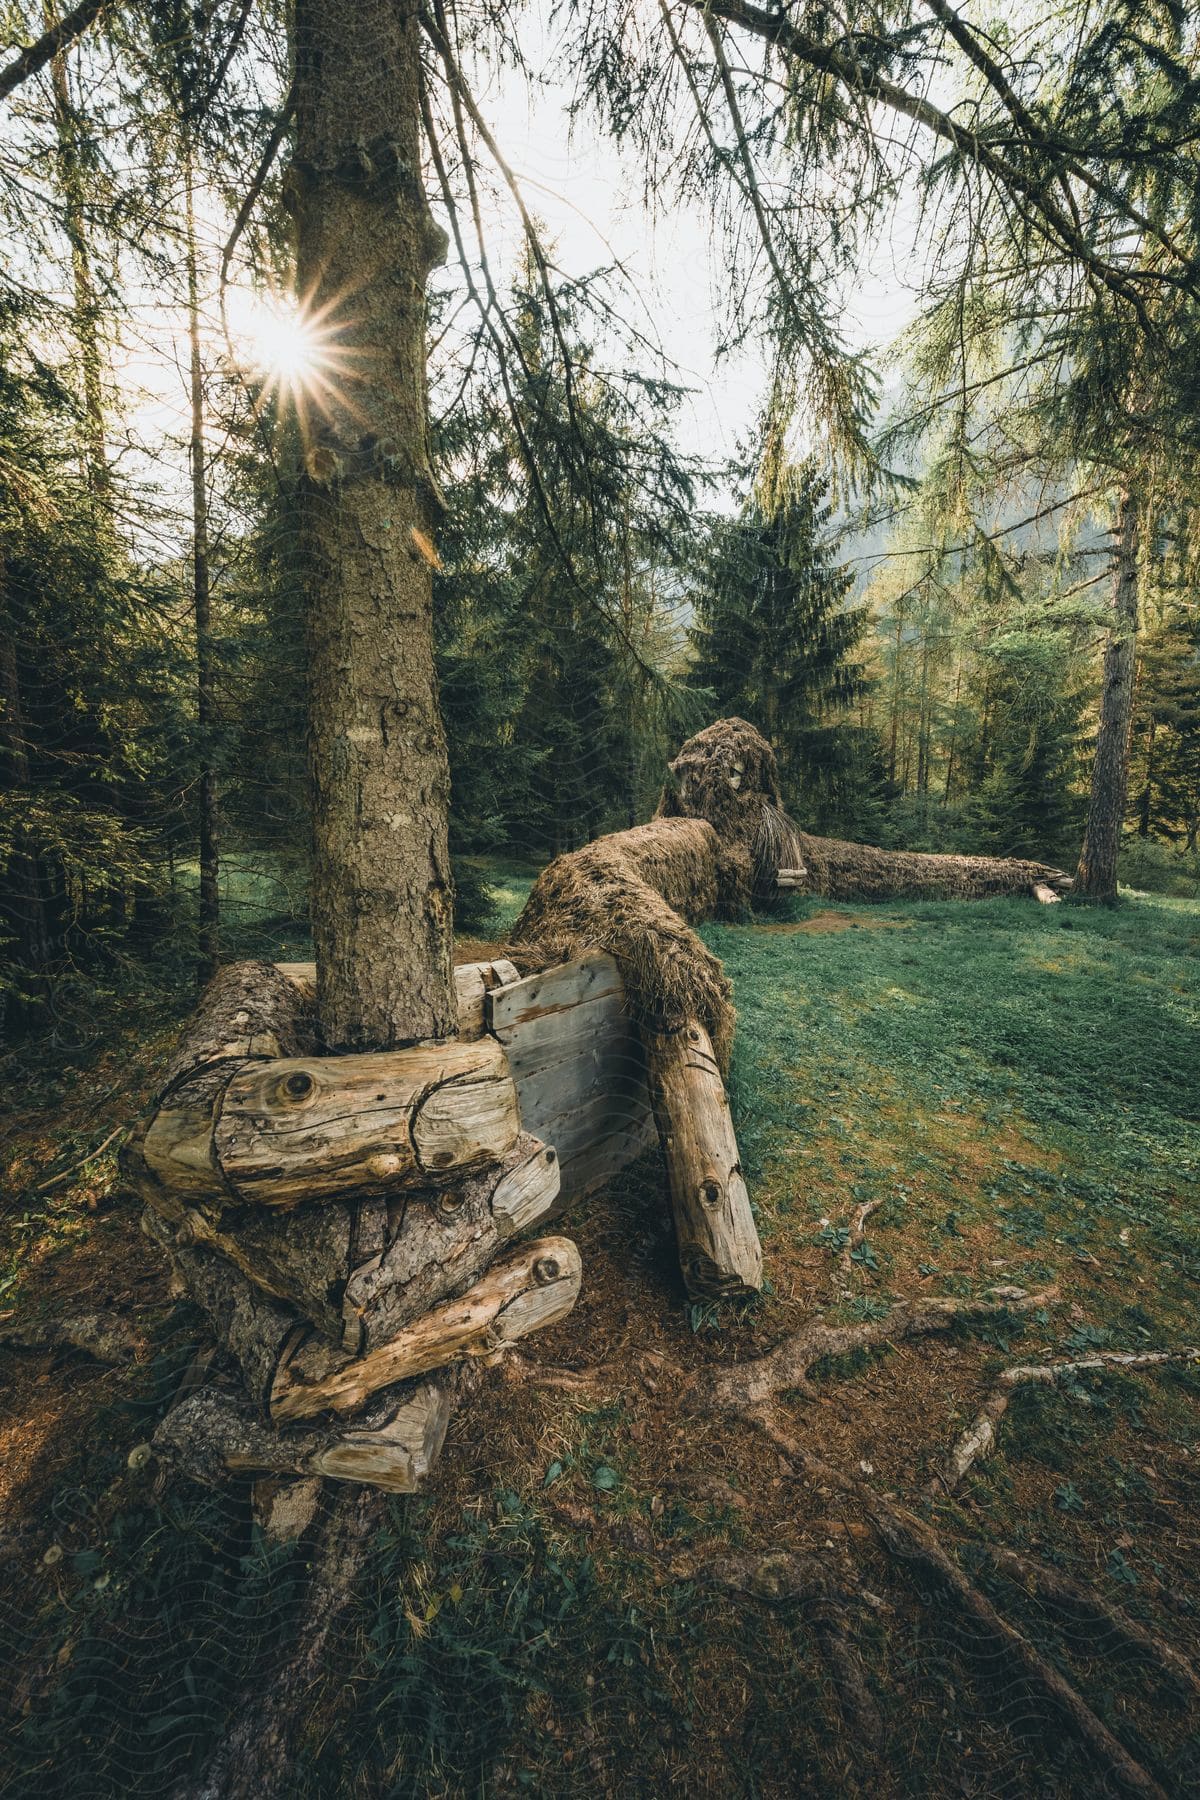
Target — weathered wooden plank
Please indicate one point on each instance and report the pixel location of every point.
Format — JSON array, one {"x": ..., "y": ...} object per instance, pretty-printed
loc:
[
  {"x": 554, "y": 990},
  {"x": 598, "y": 1159},
  {"x": 579, "y": 1067}
]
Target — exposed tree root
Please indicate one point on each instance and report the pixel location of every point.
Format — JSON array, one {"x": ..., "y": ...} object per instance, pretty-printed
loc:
[
  {"x": 105, "y": 1337},
  {"x": 979, "y": 1438},
  {"x": 1010, "y": 1659},
  {"x": 1081, "y": 1605},
  {"x": 254, "y": 1760},
  {"x": 788, "y": 1365}
]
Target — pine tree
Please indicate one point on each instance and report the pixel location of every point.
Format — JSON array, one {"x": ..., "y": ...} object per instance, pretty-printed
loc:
[
  {"x": 1025, "y": 799},
  {"x": 778, "y": 643}
]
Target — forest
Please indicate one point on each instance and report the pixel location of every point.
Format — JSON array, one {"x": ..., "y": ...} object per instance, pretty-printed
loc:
[{"x": 599, "y": 647}]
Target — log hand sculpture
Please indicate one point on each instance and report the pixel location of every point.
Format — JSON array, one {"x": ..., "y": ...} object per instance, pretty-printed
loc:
[{"x": 339, "y": 1219}]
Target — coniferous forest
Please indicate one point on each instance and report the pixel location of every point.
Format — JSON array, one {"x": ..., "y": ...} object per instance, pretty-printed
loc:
[{"x": 610, "y": 584}]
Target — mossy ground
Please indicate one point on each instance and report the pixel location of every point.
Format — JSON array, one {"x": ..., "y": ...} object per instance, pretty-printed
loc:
[{"x": 1020, "y": 1086}]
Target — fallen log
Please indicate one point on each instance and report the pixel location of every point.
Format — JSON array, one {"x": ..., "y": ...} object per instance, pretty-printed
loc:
[
  {"x": 535, "y": 1288},
  {"x": 719, "y": 1249}
]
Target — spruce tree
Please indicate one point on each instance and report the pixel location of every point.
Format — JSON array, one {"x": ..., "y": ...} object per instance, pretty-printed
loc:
[{"x": 778, "y": 643}]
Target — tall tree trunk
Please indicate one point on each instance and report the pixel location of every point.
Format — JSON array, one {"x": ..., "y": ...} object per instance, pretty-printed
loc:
[
  {"x": 1146, "y": 797},
  {"x": 22, "y": 878},
  {"x": 953, "y": 737},
  {"x": 86, "y": 310},
  {"x": 895, "y": 728},
  {"x": 381, "y": 893},
  {"x": 1096, "y": 876},
  {"x": 923, "y": 723},
  {"x": 208, "y": 944}
]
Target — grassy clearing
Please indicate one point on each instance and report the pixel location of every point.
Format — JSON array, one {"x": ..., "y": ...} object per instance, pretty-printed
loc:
[
  {"x": 1021, "y": 1087},
  {"x": 1017, "y": 1084}
]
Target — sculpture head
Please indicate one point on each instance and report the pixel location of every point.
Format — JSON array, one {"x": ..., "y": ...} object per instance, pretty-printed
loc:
[{"x": 728, "y": 775}]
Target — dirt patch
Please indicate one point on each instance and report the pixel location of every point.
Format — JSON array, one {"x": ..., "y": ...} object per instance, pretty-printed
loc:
[{"x": 833, "y": 921}]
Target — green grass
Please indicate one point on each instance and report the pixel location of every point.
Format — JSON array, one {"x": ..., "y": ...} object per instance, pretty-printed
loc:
[{"x": 1031, "y": 1070}]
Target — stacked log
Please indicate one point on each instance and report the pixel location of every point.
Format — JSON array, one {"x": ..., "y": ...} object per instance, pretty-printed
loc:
[{"x": 337, "y": 1219}]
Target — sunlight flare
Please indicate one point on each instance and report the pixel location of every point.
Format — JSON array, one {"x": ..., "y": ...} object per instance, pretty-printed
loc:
[{"x": 277, "y": 341}]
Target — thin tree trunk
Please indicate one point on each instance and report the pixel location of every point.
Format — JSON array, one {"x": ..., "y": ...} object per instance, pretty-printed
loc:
[
  {"x": 953, "y": 738},
  {"x": 1096, "y": 876},
  {"x": 86, "y": 310},
  {"x": 381, "y": 890},
  {"x": 22, "y": 880},
  {"x": 895, "y": 731},
  {"x": 1147, "y": 794},
  {"x": 208, "y": 945},
  {"x": 631, "y": 720},
  {"x": 923, "y": 723}
]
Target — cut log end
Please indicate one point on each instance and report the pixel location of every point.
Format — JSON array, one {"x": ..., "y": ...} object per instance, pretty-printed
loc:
[{"x": 1044, "y": 894}]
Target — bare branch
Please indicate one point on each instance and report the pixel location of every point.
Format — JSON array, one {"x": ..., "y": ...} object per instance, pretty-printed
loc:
[{"x": 48, "y": 46}]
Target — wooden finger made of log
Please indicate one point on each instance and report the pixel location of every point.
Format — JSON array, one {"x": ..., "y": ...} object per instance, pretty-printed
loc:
[
  {"x": 280, "y": 1132},
  {"x": 534, "y": 1288},
  {"x": 441, "y": 1240},
  {"x": 719, "y": 1249}
]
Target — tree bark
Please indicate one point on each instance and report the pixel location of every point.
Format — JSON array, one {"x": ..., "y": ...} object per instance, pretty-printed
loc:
[
  {"x": 1096, "y": 876},
  {"x": 208, "y": 943},
  {"x": 368, "y": 503},
  {"x": 87, "y": 312}
]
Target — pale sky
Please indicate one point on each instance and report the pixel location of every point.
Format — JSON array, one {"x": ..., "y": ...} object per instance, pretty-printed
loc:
[{"x": 589, "y": 203}]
